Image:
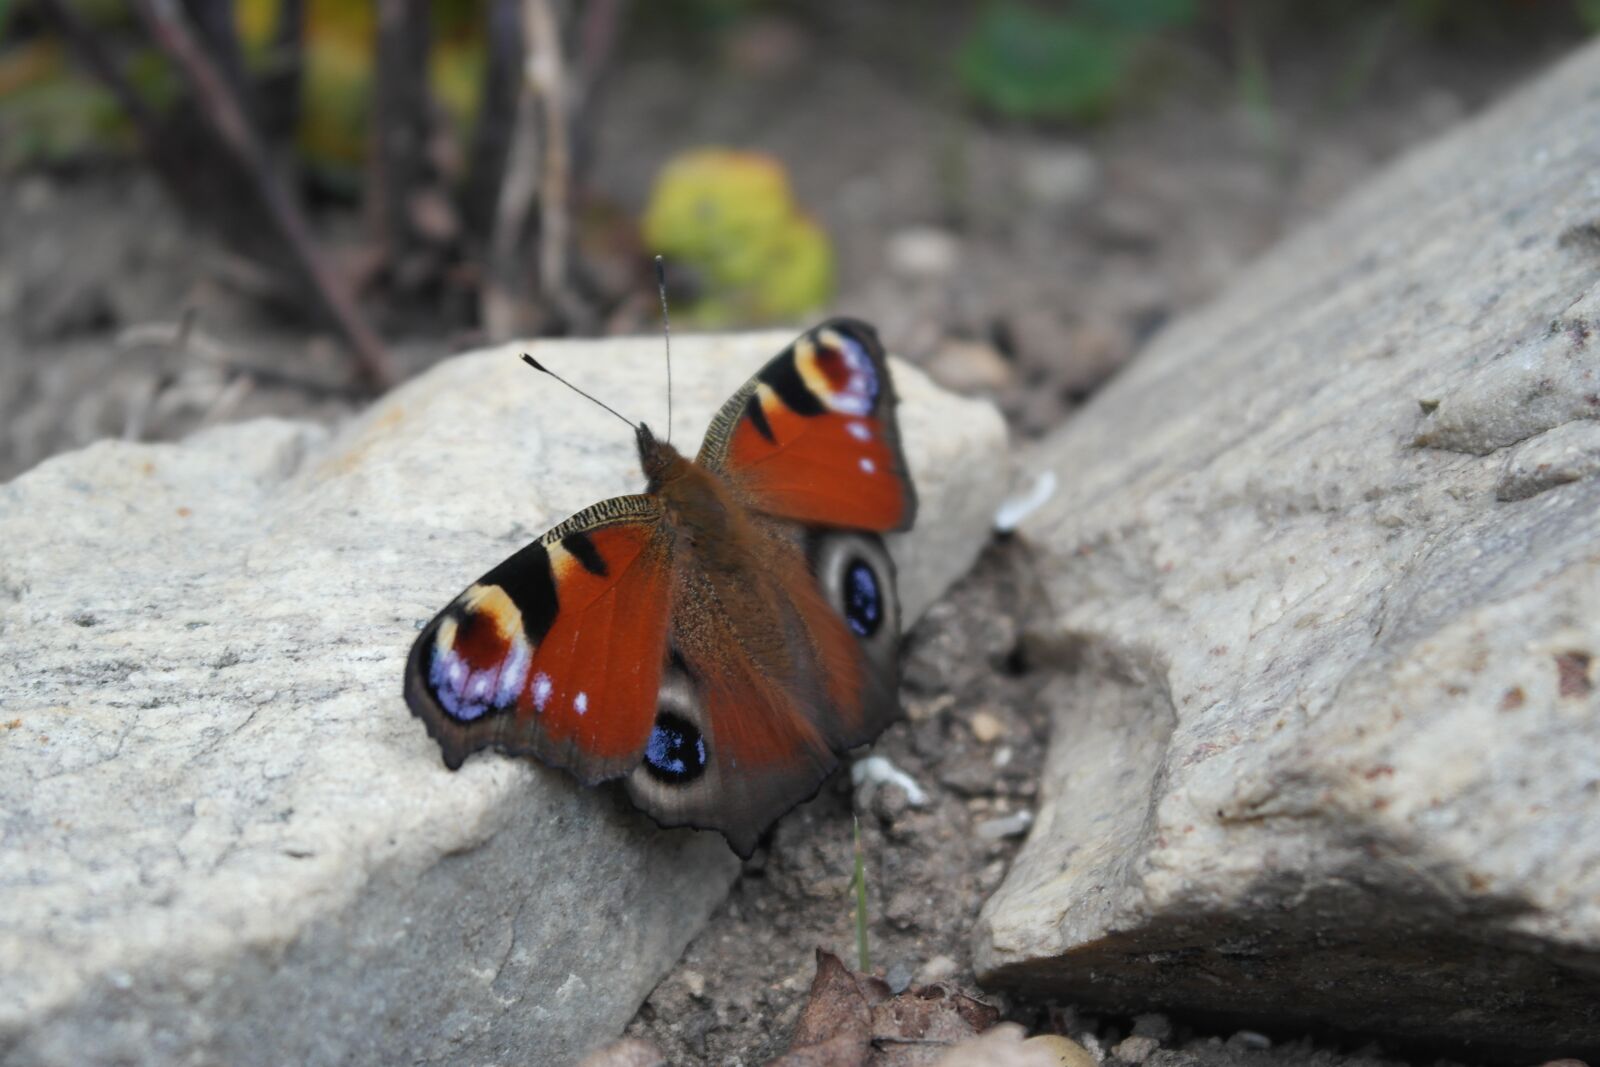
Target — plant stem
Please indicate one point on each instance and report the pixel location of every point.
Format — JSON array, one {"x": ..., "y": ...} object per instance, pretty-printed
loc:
[
  {"x": 222, "y": 112},
  {"x": 862, "y": 955}
]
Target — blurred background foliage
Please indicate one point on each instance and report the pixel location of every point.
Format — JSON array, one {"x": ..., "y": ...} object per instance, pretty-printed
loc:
[{"x": 728, "y": 220}]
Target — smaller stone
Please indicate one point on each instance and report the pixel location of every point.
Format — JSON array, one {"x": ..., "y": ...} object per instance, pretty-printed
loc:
[
  {"x": 1128, "y": 222},
  {"x": 1135, "y": 1049},
  {"x": 899, "y": 978},
  {"x": 695, "y": 982},
  {"x": 1567, "y": 453},
  {"x": 889, "y": 805},
  {"x": 1096, "y": 348},
  {"x": 1251, "y": 1040},
  {"x": 969, "y": 367},
  {"x": 1060, "y": 176},
  {"x": 629, "y": 1052},
  {"x": 1067, "y": 1052},
  {"x": 1005, "y": 826},
  {"x": 986, "y": 726},
  {"x": 904, "y": 909},
  {"x": 923, "y": 252},
  {"x": 921, "y": 710},
  {"x": 937, "y": 969},
  {"x": 999, "y": 1046},
  {"x": 1153, "y": 1024}
]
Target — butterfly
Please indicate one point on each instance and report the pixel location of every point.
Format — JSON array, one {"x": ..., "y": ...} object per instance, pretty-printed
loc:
[{"x": 719, "y": 640}]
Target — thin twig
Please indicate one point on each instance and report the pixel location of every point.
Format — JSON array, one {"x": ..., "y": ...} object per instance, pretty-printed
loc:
[
  {"x": 597, "y": 40},
  {"x": 502, "y": 298},
  {"x": 279, "y": 89},
  {"x": 497, "y": 116},
  {"x": 399, "y": 121},
  {"x": 223, "y": 113},
  {"x": 546, "y": 69},
  {"x": 172, "y": 165},
  {"x": 214, "y": 22}
]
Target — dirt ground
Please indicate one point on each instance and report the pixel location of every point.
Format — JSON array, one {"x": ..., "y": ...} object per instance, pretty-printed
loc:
[{"x": 1019, "y": 263}]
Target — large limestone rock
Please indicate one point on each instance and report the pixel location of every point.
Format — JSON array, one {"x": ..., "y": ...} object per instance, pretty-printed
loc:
[
  {"x": 223, "y": 837},
  {"x": 1325, "y": 580}
]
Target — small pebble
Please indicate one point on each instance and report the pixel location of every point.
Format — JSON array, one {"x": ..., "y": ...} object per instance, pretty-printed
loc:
[
  {"x": 899, "y": 978},
  {"x": 923, "y": 252},
  {"x": 987, "y": 727},
  {"x": 629, "y": 1052},
  {"x": 1135, "y": 1049},
  {"x": 936, "y": 970},
  {"x": 1250, "y": 1039},
  {"x": 969, "y": 366},
  {"x": 1061, "y": 176},
  {"x": 1005, "y": 826},
  {"x": 1068, "y": 1053},
  {"x": 1153, "y": 1025},
  {"x": 695, "y": 982}
]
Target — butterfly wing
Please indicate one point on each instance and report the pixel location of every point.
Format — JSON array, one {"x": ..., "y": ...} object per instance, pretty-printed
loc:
[
  {"x": 813, "y": 436},
  {"x": 753, "y": 715},
  {"x": 557, "y": 652}
]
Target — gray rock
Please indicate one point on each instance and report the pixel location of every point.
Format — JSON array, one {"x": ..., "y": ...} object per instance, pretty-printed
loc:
[
  {"x": 1327, "y": 741},
  {"x": 223, "y": 837}
]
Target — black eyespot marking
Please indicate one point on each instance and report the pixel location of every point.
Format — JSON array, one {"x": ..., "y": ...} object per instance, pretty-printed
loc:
[
  {"x": 863, "y": 598},
  {"x": 583, "y": 549},
  {"x": 676, "y": 751}
]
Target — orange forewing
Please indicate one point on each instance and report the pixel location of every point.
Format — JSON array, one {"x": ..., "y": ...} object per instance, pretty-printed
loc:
[
  {"x": 812, "y": 438},
  {"x": 591, "y": 687},
  {"x": 830, "y": 469},
  {"x": 556, "y": 653}
]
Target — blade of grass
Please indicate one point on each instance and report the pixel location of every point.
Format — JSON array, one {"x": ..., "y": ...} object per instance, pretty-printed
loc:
[{"x": 863, "y": 956}]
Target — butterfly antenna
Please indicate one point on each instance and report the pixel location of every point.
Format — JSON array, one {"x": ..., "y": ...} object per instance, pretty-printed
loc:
[
  {"x": 666, "y": 328},
  {"x": 536, "y": 365}
]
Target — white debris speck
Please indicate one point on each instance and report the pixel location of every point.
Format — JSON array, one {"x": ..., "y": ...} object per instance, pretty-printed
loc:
[
  {"x": 1005, "y": 826},
  {"x": 1011, "y": 513},
  {"x": 876, "y": 770}
]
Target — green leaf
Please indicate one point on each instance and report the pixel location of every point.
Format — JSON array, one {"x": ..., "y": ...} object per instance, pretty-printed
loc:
[
  {"x": 1026, "y": 64},
  {"x": 1588, "y": 12}
]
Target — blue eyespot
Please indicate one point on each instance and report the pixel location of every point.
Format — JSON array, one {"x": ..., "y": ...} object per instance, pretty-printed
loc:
[
  {"x": 676, "y": 751},
  {"x": 863, "y": 601}
]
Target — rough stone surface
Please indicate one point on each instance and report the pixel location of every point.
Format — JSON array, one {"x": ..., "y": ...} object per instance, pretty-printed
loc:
[
  {"x": 1325, "y": 583},
  {"x": 223, "y": 837}
]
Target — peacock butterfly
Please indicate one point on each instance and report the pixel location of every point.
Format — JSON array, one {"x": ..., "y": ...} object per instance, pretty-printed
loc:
[{"x": 717, "y": 640}]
